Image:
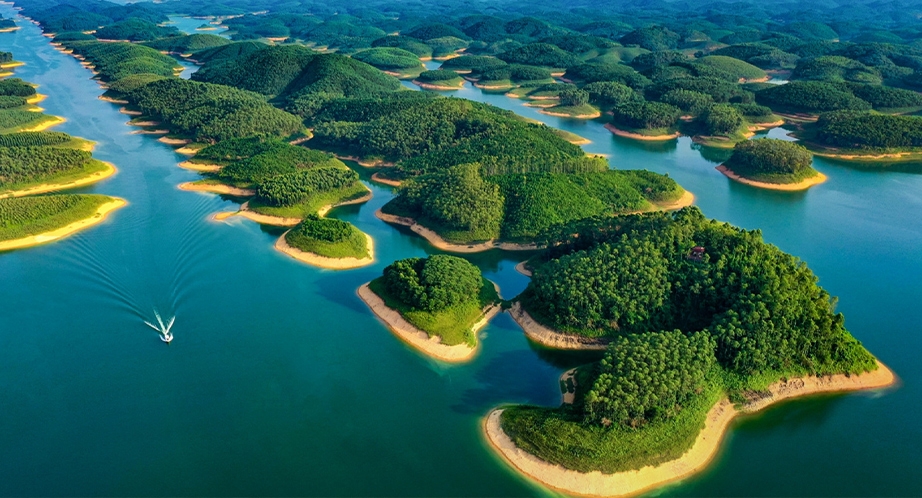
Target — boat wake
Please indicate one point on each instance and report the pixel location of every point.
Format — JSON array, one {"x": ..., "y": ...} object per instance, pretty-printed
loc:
[{"x": 164, "y": 329}]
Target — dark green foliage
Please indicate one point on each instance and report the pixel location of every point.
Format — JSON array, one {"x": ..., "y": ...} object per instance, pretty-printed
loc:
[
  {"x": 475, "y": 63},
  {"x": 210, "y": 112},
  {"x": 653, "y": 38},
  {"x": 810, "y": 31},
  {"x": 435, "y": 283},
  {"x": 33, "y": 138},
  {"x": 811, "y": 96},
  {"x": 446, "y": 46},
  {"x": 23, "y": 165},
  {"x": 328, "y": 237},
  {"x": 329, "y": 76},
  {"x": 609, "y": 288},
  {"x": 293, "y": 188},
  {"x": 16, "y": 87},
  {"x": 645, "y": 62},
  {"x": 268, "y": 71},
  {"x": 6, "y": 57},
  {"x": 408, "y": 43},
  {"x": 641, "y": 114},
  {"x": 185, "y": 44},
  {"x": 11, "y": 102},
  {"x": 590, "y": 73},
  {"x": 437, "y": 75},
  {"x": 263, "y": 160},
  {"x": 608, "y": 94},
  {"x": 754, "y": 111},
  {"x": 573, "y": 97},
  {"x": 135, "y": 30},
  {"x": 858, "y": 130},
  {"x": 388, "y": 58},
  {"x": 689, "y": 101},
  {"x": 435, "y": 30},
  {"x": 540, "y": 54},
  {"x": 114, "y": 61},
  {"x": 736, "y": 68},
  {"x": 22, "y": 217},
  {"x": 835, "y": 68},
  {"x": 760, "y": 55},
  {"x": 762, "y": 307},
  {"x": 721, "y": 119},
  {"x": 770, "y": 158},
  {"x": 721, "y": 91},
  {"x": 228, "y": 52},
  {"x": 456, "y": 199},
  {"x": 647, "y": 377},
  {"x": 523, "y": 73},
  {"x": 133, "y": 82},
  {"x": 13, "y": 119},
  {"x": 580, "y": 44},
  {"x": 884, "y": 97}
]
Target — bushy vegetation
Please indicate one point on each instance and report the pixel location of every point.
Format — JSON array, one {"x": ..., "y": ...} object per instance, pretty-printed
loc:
[
  {"x": 186, "y": 44},
  {"x": 208, "y": 112},
  {"x": 114, "y": 61},
  {"x": 16, "y": 87},
  {"x": 228, "y": 52},
  {"x": 135, "y": 29},
  {"x": 132, "y": 82},
  {"x": 293, "y": 188},
  {"x": 540, "y": 54},
  {"x": 811, "y": 96},
  {"x": 771, "y": 160},
  {"x": 475, "y": 63},
  {"x": 255, "y": 160},
  {"x": 388, "y": 58},
  {"x": 268, "y": 71},
  {"x": 861, "y": 130},
  {"x": 652, "y": 38},
  {"x": 835, "y": 68},
  {"x": 437, "y": 76},
  {"x": 721, "y": 119},
  {"x": 328, "y": 237},
  {"x": 646, "y": 115},
  {"x": 22, "y": 217}
]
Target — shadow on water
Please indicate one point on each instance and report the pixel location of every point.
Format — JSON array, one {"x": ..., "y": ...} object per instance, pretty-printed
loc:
[{"x": 501, "y": 381}]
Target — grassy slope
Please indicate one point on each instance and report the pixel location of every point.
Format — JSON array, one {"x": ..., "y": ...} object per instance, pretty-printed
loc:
[
  {"x": 452, "y": 325},
  {"x": 27, "y": 216}
]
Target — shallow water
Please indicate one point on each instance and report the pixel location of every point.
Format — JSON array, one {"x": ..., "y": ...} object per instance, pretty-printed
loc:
[
  {"x": 189, "y": 26},
  {"x": 281, "y": 382}
]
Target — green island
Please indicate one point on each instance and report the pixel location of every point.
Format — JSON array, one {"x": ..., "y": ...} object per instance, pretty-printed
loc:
[
  {"x": 696, "y": 319},
  {"x": 34, "y": 220},
  {"x": 434, "y": 304},
  {"x": 773, "y": 164}
]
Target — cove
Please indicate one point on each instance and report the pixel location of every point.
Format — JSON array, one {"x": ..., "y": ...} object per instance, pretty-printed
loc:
[{"x": 280, "y": 381}]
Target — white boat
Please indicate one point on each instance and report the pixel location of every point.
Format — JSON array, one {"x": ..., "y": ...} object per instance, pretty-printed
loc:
[{"x": 165, "y": 334}]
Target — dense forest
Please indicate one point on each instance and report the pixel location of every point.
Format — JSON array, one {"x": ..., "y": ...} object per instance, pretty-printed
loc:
[
  {"x": 328, "y": 237},
  {"x": 692, "y": 307},
  {"x": 771, "y": 160}
]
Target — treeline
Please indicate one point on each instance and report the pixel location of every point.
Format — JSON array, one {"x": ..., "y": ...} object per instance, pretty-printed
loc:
[
  {"x": 771, "y": 160},
  {"x": 208, "y": 112},
  {"x": 862, "y": 130}
]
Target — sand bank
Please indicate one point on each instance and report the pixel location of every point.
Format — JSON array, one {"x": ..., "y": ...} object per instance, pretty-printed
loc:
[
  {"x": 325, "y": 262},
  {"x": 358, "y": 200},
  {"x": 174, "y": 141},
  {"x": 201, "y": 167},
  {"x": 687, "y": 199},
  {"x": 696, "y": 459},
  {"x": 801, "y": 185},
  {"x": 378, "y": 178},
  {"x": 437, "y": 241},
  {"x": 521, "y": 268},
  {"x": 129, "y": 112},
  {"x": 54, "y": 187},
  {"x": 551, "y": 338},
  {"x": 572, "y": 116},
  {"x": 417, "y": 338},
  {"x": 47, "y": 124},
  {"x": 114, "y": 101},
  {"x": 216, "y": 188},
  {"x": 98, "y": 217},
  {"x": 637, "y": 136}
]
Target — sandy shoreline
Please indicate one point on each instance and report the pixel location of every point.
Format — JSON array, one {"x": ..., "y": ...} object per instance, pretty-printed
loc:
[
  {"x": 280, "y": 221},
  {"x": 417, "y": 338},
  {"x": 638, "y": 136},
  {"x": 393, "y": 183},
  {"x": 33, "y": 240},
  {"x": 572, "y": 116},
  {"x": 437, "y": 241},
  {"x": 47, "y": 124},
  {"x": 431, "y": 86},
  {"x": 687, "y": 199},
  {"x": 551, "y": 338},
  {"x": 215, "y": 188},
  {"x": 801, "y": 185},
  {"x": 53, "y": 187},
  {"x": 200, "y": 167},
  {"x": 324, "y": 262},
  {"x": 693, "y": 461},
  {"x": 522, "y": 269}
]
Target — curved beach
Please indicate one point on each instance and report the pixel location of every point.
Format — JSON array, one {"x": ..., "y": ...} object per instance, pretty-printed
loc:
[
  {"x": 687, "y": 199},
  {"x": 431, "y": 86},
  {"x": 324, "y": 262},
  {"x": 216, "y": 188},
  {"x": 33, "y": 240},
  {"x": 637, "y": 136},
  {"x": 377, "y": 178},
  {"x": 47, "y": 124},
  {"x": 418, "y": 338},
  {"x": 572, "y": 116},
  {"x": 551, "y": 338},
  {"x": 437, "y": 241},
  {"x": 693, "y": 461},
  {"x": 53, "y": 187},
  {"x": 801, "y": 185}
]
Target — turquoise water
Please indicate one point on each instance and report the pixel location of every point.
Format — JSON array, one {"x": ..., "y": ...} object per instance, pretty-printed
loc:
[
  {"x": 189, "y": 26},
  {"x": 281, "y": 382}
]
